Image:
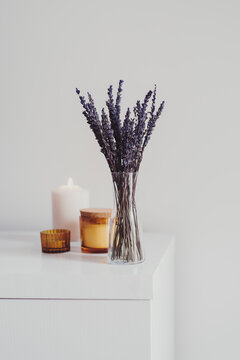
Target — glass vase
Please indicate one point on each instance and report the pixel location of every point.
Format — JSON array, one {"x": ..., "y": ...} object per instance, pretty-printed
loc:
[{"x": 125, "y": 243}]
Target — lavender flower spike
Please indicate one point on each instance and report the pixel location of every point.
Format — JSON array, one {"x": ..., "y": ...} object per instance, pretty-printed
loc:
[
  {"x": 122, "y": 143},
  {"x": 118, "y": 99},
  {"x": 115, "y": 120},
  {"x": 151, "y": 125}
]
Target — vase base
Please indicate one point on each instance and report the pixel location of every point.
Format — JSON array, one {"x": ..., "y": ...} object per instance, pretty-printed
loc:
[{"x": 124, "y": 262}]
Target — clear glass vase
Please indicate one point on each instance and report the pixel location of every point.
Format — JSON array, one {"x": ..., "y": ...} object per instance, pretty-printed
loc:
[{"x": 125, "y": 243}]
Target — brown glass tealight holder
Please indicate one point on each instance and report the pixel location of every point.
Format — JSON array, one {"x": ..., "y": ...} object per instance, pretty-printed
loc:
[{"x": 55, "y": 241}]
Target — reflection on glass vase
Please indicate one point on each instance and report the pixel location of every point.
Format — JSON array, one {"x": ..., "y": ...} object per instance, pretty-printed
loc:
[{"x": 125, "y": 246}]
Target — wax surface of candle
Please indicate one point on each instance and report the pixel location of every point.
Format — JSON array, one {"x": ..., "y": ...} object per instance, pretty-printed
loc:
[{"x": 67, "y": 200}]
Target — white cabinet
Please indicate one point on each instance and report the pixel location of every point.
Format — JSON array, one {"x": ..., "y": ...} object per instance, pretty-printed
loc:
[{"x": 76, "y": 306}]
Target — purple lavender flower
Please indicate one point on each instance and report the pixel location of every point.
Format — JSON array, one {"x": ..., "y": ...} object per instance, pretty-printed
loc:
[
  {"x": 153, "y": 100},
  {"x": 151, "y": 125},
  {"x": 118, "y": 101},
  {"x": 140, "y": 126},
  {"x": 127, "y": 141},
  {"x": 115, "y": 120},
  {"x": 122, "y": 145},
  {"x": 91, "y": 115},
  {"x": 108, "y": 134}
]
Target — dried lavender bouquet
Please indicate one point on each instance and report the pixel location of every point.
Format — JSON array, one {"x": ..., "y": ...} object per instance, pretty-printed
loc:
[{"x": 123, "y": 143}]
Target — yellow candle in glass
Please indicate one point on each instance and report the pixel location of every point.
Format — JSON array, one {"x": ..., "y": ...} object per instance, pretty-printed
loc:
[{"x": 94, "y": 229}]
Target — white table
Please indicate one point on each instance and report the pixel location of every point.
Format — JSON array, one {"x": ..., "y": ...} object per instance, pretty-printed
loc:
[{"x": 76, "y": 306}]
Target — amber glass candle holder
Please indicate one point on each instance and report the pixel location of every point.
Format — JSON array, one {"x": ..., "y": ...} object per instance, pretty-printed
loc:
[
  {"x": 94, "y": 229},
  {"x": 55, "y": 241}
]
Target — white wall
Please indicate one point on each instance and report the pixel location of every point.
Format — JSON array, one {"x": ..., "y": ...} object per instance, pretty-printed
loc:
[{"x": 189, "y": 181}]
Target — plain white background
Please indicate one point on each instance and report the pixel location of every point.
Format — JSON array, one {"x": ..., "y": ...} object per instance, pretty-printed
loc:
[{"x": 190, "y": 175}]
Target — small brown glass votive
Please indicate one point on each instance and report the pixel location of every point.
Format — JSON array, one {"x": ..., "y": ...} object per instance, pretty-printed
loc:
[{"x": 55, "y": 241}]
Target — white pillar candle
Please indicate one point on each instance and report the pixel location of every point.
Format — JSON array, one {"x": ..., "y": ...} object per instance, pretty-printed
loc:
[{"x": 67, "y": 201}]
